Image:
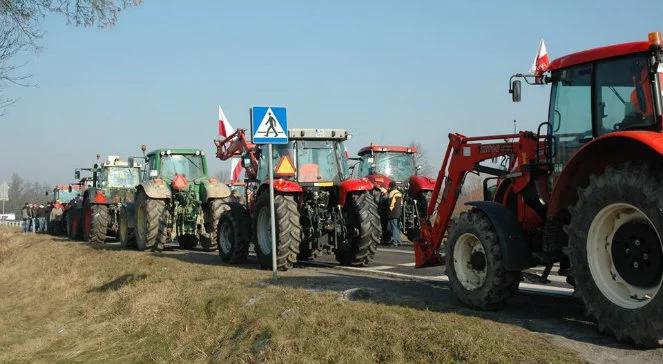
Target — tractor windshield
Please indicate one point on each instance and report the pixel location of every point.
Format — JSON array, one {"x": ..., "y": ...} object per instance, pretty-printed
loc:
[
  {"x": 64, "y": 196},
  {"x": 191, "y": 166},
  {"x": 320, "y": 160},
  {"x": 119, "y": 177},
  {"x": 397, "y": 166}
]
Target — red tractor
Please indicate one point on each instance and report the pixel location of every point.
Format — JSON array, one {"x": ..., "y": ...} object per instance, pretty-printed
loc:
[
  {"x": 55, "y": 212},
  {"x": 318, "y": 207},
  {"x": 382, "y": 164},
  {"x": 584, "y": 191}
]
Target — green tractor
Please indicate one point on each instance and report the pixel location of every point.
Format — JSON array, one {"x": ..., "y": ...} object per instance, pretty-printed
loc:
[
  {"x": 94, "y": 215},
  {"x": 175, "y": 201}
]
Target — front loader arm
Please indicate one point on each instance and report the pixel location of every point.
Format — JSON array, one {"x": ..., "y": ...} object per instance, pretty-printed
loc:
[
  {"x": 236, "y": 145},
  {"x": 463, "y": 155}
]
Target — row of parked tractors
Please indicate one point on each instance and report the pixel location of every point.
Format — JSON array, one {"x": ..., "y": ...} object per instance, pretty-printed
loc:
[
  {"x": 167, "y": 196},
  {"x": 583, "y": 194}
]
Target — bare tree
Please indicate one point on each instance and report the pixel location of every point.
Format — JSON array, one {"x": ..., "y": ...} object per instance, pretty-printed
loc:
[
  {"x": 20, "y": 28},
  {"x": 420, "y": 159}
]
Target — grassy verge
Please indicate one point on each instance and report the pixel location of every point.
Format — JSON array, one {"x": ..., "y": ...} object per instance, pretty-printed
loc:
[{"x": 64, "y": 302}]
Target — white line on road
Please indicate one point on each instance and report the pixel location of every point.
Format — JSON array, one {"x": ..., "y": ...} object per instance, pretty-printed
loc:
[
  {"x": 407, "y": 264},
  {"x": 527, "y": 287},
  {"x": 379, "y": 267},
  {"x": 395, "y": 251}
]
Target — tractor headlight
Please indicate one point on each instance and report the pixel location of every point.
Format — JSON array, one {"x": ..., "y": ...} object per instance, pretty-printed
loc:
[
  {"x": 168, "y": 152},
  {"x": 197, "y": 152}
]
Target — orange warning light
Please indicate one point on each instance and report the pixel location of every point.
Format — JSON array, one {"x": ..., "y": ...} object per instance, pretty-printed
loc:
[{"x": 285, "y": 168}]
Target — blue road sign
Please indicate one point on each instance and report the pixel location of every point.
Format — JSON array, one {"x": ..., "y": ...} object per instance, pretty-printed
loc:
[{"x": 269, "y": 125}]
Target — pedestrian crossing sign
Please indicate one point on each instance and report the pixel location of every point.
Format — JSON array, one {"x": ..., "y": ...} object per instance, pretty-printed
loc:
[{"x": 269, "y": 125}]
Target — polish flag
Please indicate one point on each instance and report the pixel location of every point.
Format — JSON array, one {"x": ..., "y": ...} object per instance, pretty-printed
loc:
[
  {"x": 541, "y": 62},
  {"x": 226, "y": 130}
]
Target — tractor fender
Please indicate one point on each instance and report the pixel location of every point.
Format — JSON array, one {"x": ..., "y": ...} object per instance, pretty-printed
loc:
[
  {"x": 129, "y": 209},
  {"x": 420, "y": 183},
  {"x": 90, "y": 195},
  {"x": 156, "y": 188},
  {"x": 515, "y": 252},
  {"x": 352, "y": 185},
  {"x": 214, "y": 189},
  {"x": 281, "y": 186},
  {"x": 378, "y": 180},
  {"x": 596, "y": 155}
]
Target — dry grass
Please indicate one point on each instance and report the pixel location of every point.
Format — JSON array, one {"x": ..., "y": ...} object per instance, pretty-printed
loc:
[{"x": 68, "y": 302}]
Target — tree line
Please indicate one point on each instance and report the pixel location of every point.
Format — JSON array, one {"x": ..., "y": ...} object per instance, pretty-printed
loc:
[{"x": 22, "y": 190}]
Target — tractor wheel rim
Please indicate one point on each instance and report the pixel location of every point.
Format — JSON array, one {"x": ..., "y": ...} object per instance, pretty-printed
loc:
[
  {"x": 225, "y": 242},
  {"x": 613, "y": 262},
  {"x": 468, "y": 255},
  {"x": 264, "y": 231}
]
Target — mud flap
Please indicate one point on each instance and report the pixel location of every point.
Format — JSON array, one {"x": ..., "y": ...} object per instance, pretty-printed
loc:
[{"x": 515, "y": 251}]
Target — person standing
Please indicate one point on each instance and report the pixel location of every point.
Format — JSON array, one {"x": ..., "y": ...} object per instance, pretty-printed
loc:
[
  {"x": 25, "y": 216},
  {"x": 33, "y": 218},
  {"x": 395, "y": 204},
  {"x": 41, "y": 215}
]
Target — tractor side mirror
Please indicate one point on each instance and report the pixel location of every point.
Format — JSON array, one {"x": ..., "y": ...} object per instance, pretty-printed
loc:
[
  {"x": 418, "y": 169},
  {"x": 77, "y": 174},
  {"x": 46, "y": 193},
  {"x": 515, "y": 91},
  {"x": 69, "y": 189}
]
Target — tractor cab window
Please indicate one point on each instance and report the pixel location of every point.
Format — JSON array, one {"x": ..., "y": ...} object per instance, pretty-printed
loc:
[
  {"x": 189, "y": 165},
  {"x": 571, "y": 110},
  {"x": 278, "y": 151},
  {"x": 118, "y": 177},
  {"x": 623, "y": 94},
  {"x": 320, "y": 160},
  {"x": 397, "y": 166}
]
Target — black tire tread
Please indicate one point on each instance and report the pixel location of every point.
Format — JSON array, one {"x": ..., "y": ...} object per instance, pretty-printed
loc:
[
  {"x": 501, "y": 284},
  {"x": 363, "y": 208},
  {"x": 240, "y": 221},
  {"x": 288, "y": 231}
]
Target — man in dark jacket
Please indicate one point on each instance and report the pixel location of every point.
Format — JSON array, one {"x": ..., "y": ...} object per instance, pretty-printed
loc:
[{"x": 395, "y": 205}]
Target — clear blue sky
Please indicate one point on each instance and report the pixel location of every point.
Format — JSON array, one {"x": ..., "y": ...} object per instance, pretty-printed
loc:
[{"x": 390, "y": 71}]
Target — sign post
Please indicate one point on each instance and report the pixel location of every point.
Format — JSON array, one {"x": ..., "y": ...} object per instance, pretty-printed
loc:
[
  {"x": 4, "y": 194},
  {"x": 269, "y": 125}
]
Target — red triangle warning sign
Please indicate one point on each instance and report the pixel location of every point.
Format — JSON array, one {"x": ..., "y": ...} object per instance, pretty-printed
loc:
[{"x": 285, "y": 168}]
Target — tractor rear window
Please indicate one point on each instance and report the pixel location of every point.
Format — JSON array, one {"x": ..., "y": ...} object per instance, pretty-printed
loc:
[
  {"x": 624, "y": 97},
  {"x": 191, "y": 166},
  {"x": 317, "y": 161},
  {"x": 119, "y": 177},
  {"x": 397, "y": 166}
]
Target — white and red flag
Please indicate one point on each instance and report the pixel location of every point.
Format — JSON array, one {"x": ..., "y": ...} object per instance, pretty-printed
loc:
[
  {"x": 541, "y": 62},
  {"x": 226, "y": 130}
]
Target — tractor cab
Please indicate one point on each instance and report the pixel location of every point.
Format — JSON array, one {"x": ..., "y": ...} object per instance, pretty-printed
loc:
[
  {"x": 384, "y": 163},
  {"x": 599, "y": 92},
  {"x": 315, "y": 157},
  {"x": 115, "y": 173},
  {"x": 182, "y": 165}
]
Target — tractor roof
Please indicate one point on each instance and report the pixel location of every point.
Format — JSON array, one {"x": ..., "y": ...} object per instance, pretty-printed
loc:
[
  {"x": 596, "y": 54},
  {"x": 187, "y": 151},
  {"x": 322, "y": 134},
  {"x": 387, "y": 148}
]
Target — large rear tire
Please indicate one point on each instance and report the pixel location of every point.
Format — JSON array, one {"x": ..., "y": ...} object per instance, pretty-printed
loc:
[
  {"x": 616, "y": 253},
  {"x": 288, "y": 231},
  {"x": 475, "y": 264},
  {"x": 149, "y": 216},
  {"x": 95, "y": 223},
  {"x": 125, "y": 234},
  {"x": 363, "y": 229},
  {"x": 212, "y": 212},
  {"x": 234, "y": 234}
]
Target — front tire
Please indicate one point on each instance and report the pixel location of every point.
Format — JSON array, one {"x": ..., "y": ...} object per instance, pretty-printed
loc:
[
  {"x": 233, "y": 234},
  {"x": 475, "y": 264},
  {"x": 149, "y": 216},
  {"x": 288, "y": 231},
  {"x": 363, "y": 229},
  {"x": 616, "y": 253}
]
